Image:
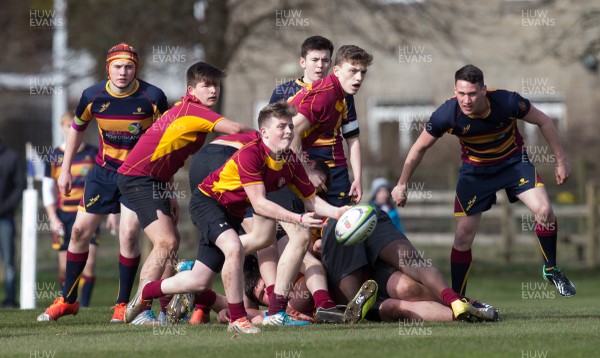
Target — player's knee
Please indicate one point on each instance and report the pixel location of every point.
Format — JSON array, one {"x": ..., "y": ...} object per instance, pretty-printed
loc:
[
  {"x": 234, "y": 250},
  {"x": 300, "y": 238},
  {"x": 168, "y": 244},
  {"x": 128, "y": 233},
  {"x": 403, "y": 288},
  {"x": 79, "y": 235},
  {"x": 544, "y": 213}
]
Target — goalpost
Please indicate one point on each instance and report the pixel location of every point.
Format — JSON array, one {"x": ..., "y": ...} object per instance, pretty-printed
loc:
[{"x": 29, "y": 236}]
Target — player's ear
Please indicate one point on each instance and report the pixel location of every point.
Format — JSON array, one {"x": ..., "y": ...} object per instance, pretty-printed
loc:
[
  {"x": 336, "y": 70},
  {"x": 302, "y": 62},
  {"x": 190, "y": 89}
]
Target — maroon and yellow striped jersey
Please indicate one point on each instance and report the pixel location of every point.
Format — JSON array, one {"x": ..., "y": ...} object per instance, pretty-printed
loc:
[
  {"x": 165, "y": 146},
  {"x": 329, "y": 148},
  {"x": 253, "y": 165},
  {"x": 322, "y": 103}
]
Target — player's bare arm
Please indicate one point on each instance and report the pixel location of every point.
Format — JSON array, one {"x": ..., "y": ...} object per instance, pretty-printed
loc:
[
  {"x": 323, "y": 208},
  {"x": 257, "y": 195},
  {"x": 227, "y": 126},
  {"x": 356, "y": 163},
  {"x": 65, "y": 180},
  {"x": 413, "y": 159},
  {"x": 550, "y": 133}
]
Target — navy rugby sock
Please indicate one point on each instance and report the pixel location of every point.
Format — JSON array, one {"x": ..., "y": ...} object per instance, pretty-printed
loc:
[
  {"x": 546, "y": 234},
  {"x": 127, "y": 270},
  {"x": 75, "y": 265},
  {"x": 460, "y": 265},
  {"x": 86, "y": 290}
]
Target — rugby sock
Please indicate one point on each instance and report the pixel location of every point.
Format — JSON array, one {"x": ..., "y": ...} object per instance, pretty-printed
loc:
[
  {"x": 127, "y": 270},
  {"x": 205, "y": 300},
  {"x": 460, "y": 265},
  {"x": 270, "y": 289},
  {"x": 546, "y": 234},
  {"x": 277, "y": 303},
  {"x": 75, "y": 265},
  {"x": 236, "y": 311},
  {"x": 448, "y": 296},
  {"x": 322, "y": 299},
  {"x": 164, "y": 302},
  {"x": 152, "y": 290},
  {"x": 86, "y": 290}
]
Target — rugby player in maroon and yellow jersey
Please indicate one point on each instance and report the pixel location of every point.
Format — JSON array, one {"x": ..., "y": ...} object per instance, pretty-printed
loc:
[
  {"x": 218, "y": 208},
  {"x": 320, "y": 111},
  {"x": 146, "y": 176}
]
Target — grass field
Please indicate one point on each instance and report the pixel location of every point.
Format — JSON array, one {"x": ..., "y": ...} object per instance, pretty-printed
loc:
[{"x": 535, "y": 322}]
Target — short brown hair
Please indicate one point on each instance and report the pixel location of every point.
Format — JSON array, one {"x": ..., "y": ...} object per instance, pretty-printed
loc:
[
  {"x": 280, "y": 109},
  {"x": 203, "y": 72},
  {"x": 469, "y": 73},
  {"x": 353, "y": 55},
  {"x": 316, "y": 43}
]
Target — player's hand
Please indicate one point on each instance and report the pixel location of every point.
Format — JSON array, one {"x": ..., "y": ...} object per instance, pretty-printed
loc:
[
  {"x": 65, "y": 182},
  {"x": 112, "y": 224},
  {"x": 562, "y": 172},
  {"x": 356, "y": 191},
  {"x": 341, "y": 210},
  {"x": 399, "y": 194},
  {"x": 223, "y": 316},
  {"x": 318, "y": 180},
  {"x": 310, "y": 220},
  {"x": 57, "y": 226},
  {"x": 174, "y": 211},
  {"x": 257, "y": 320}
]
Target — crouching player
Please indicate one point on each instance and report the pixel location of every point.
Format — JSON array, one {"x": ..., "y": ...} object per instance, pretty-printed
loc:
[{"x": 218, "y": 209}]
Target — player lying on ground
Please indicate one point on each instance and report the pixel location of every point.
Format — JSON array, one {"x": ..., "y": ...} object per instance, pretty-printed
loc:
[
  {"x": 218, "y": 208},
  {"x": 308, "y": 297},
  {"x": 388, "y": 245}
]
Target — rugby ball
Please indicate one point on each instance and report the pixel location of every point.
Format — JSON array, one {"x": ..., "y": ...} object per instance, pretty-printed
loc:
[{"x": 356, "y": 225}]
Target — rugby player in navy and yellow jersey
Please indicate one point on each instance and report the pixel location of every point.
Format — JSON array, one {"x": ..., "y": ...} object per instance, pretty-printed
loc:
[
  {"x": 218, "y": 208},
  {"x": 494, "y": 158},
  {"x": 315, "y": 60},
  {"x": 62, "y": 210},
  {"x": 124, "y": 107},
  {"x": 146, "y": 176}
]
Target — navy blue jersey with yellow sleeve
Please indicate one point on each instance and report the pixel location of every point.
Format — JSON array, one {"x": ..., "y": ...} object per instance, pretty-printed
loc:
[{"x": 487, "y": 139}]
